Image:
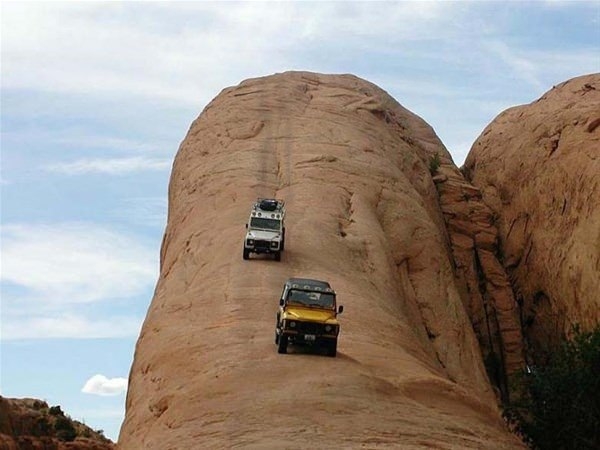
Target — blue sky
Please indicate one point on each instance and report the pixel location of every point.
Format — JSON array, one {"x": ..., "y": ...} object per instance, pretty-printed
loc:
[{"x": 96, "y": 97}]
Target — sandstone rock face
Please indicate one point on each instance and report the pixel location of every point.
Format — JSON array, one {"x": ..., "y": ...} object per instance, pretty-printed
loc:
[
  {"x": 363, "y": 214},
  {"x": 538, "y": 167},
  {"x": 30, "y": 424},
  {"x": 487, "y": 292}
]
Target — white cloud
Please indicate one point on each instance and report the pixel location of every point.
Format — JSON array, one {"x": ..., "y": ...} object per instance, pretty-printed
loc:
[
  {"x": 66, "y": 325},
  {"x": 101, "y": 385},
  {"x": 111, "y": 166},
  {"x": 87, "y": 141},
  {"x": 186, "y": 52},
  {"x": 74, "y": 263}
]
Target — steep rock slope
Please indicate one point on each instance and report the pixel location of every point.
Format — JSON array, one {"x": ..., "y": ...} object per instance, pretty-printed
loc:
[
  {"x": 538, "y": 167},
  {"x": 363, "y": 214},
  {"x": 30, "y": 424}
]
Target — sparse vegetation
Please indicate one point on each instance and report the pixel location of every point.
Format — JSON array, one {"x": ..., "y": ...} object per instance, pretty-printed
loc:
[
  {"x": 64, "y": 429},
  {"x": 42, "y": 426},
  {"x": 558, "y": 405},
  {"x": 55, "y": 411},
  {"x": 434, "y": 163}
]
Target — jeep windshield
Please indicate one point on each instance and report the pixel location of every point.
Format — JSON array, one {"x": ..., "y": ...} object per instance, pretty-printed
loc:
[
  {"x": 265, "y": 224},
  {"x": 312, "y": 299}
]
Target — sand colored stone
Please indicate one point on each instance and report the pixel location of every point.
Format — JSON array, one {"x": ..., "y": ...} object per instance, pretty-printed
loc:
[
  {"x": 538, "y": 168},
  {"x": 363, "y": 214}
]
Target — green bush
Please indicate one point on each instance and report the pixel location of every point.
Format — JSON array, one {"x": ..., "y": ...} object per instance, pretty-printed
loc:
[
  {"x": 559, "y": 404},
  {"x": 434, "y": 163}
]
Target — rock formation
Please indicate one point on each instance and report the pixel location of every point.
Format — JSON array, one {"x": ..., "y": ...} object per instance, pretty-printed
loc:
[
  {"x": 363, "y": 214},
  {"x": 30, "y": 424},
  {"x": 538, "y": 168},
  {"x": 486, "y": 288}
]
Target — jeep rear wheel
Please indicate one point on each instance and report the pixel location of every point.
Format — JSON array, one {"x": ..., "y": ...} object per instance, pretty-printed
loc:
[
  {"x": 283, "y": 239},
  {"x": 277, "y": 256},
  {"x": 246, "y": 253},
  {"x": 282, "y": 345},
  {"x": 332, "y": 349}
]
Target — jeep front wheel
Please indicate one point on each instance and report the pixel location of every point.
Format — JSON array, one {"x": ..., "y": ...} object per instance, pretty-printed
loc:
[
  {"x": 283, "y": 343},
  {"x": 332, "y": 349},
  {"x": 246, "y": 253},
  {"x": 277, "y": 256}
]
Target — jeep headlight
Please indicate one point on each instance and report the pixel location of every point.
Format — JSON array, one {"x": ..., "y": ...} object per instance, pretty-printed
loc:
[
  {"x": 331, "y": 329},
  {"x": 274, "y": 244},
  {"x": 250, "y": 241},
  {"x": 292, "y": 324}
]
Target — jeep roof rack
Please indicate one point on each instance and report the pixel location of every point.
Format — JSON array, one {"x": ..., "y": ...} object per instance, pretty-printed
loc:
[
  {"x": 269, "y": 207},
  {"x": 309, "y": 284}
]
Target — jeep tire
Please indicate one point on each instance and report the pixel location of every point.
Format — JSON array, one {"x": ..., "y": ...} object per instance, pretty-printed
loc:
[
  {"x": 282, "y": 345},
  {"x": 278, "y": 256},
  {"x": 332, "y": 348},
  {"x": 283, "y": 239},
  {"x": 246, "y": 253}
]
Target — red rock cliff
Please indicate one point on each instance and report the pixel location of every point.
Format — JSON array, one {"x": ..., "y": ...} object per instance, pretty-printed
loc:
[
  {"x": 363, "y": 214},
  {"x": 538, "y": 167},
  {"x": 30, "y": 424}
]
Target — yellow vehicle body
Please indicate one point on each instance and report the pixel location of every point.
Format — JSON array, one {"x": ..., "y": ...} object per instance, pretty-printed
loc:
[
  {"x": 311, "y": 315},
  {"x": 307, "y": 315}
]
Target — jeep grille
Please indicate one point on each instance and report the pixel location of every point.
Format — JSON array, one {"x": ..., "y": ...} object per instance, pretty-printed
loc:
[
  {"x": 310, "y": 328},
  {"x": 262, "y": 244}
]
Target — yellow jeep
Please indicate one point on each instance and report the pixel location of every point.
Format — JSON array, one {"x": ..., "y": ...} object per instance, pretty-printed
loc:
[{"x": 307, "y": 315}]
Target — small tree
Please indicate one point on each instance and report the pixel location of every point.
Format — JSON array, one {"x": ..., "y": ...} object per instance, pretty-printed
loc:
[{"x": 559, "y": 404}]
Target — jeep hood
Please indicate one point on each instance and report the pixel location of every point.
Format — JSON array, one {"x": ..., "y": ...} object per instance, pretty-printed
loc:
[
  {"x": 263, "y": 235},
  {"x": 310, "y": 314}
]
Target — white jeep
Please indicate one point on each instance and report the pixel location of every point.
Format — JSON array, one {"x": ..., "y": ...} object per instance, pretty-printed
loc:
[{"x": 265, "y": 228}]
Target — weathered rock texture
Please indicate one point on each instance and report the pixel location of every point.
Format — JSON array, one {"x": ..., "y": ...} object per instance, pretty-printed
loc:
[
  {"x": 363, "y": 214},
  {"x": 30, "y": 424},
  {"x": 486, "y": 287},
  {"x": 538, "y": 168}
]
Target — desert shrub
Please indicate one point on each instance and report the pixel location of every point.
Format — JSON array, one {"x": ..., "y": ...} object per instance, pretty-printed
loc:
[
  {"x": 42, "y": 426},
  {"x": 64, "y": 429},
  {"x": 434, "y": 163},
  {"x": 558, "y": 405},
  {"x": 55, "y": 411}
]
